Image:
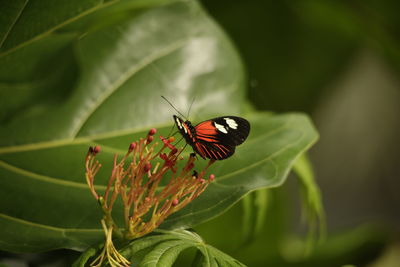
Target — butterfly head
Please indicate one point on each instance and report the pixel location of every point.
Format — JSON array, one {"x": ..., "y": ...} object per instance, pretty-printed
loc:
[
  {"x": 184, "y": 127},
  {"x": 179, "y": 122}
]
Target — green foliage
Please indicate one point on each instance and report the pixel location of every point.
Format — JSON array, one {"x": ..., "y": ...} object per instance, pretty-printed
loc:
[
  {"x": 77, "y": 79},
  {"x": 313, "y": 211},
  {"x": 334, "y": 59},
  {"x": 255, "y": 207},
  {"x": 163, "y": 248}
]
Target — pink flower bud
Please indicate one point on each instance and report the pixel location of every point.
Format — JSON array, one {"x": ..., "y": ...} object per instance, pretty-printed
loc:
[
  {"x": 152, "y": 131},
  {"x": 202, "y": 181},
  {"x": 175, "y": 202},
  {"x": 150, "y": 139},
  {"x": 132, "y": 146},
  {"x": 211, "y": 177},
  {"x": 96, "y": 150},
  {"x": 147, "y": 167}
]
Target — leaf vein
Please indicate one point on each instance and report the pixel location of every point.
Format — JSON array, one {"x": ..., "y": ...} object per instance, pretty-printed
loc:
[
  {"x": 14, "y": 22},
  {"x": 44, "y": 178},
  {"x": 43, "y": 34},
  {"x": 48, "y": 227},
  {"x": 125, "y": 77}
]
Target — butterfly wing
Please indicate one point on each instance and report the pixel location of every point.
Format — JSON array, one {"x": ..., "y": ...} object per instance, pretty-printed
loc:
[
  {"x": 218, "y": 137},
  {"x": 213, "y": 150},
  {"x": 232, "y": 130}
]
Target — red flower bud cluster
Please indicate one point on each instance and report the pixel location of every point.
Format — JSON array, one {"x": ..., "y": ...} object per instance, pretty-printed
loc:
[{"x": 136, "y": 179}]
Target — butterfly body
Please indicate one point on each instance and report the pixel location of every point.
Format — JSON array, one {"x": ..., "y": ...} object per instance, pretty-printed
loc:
[{"x": 215, "y": 138}]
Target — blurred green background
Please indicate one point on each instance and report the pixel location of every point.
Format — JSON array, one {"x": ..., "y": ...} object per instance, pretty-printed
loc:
[{"x": 339, "y": 62}]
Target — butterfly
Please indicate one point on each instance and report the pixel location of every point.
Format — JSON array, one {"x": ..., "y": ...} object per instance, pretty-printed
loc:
[{"x": 215, "y": 138}]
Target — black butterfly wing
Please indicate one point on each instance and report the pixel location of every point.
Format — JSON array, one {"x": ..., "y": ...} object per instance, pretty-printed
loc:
[
  {"x": 213, "y": 150},
  {"x": 232, "y": 130},
  {"x": 218, "y": 137}
]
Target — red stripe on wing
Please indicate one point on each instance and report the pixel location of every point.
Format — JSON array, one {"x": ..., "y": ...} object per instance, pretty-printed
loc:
[
  {"x": 206, "y": 131},
  {"x": 213, "y": 151},
  {"x": 200, "y": 150},
  {"x": 206, "y": 128}
]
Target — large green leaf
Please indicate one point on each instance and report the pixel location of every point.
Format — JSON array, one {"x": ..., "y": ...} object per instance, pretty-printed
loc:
[
  {"x": 123, "y": 70},
  {"x": 163, "y": 249},
  {"x": 262, "y": 162},
  {"x": 39, "y": 67},
  {"x": 26, "y": 21}
]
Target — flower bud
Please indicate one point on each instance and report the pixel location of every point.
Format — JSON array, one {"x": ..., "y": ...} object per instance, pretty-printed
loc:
[
  {"x": 171, "y": 139},
  {"x": 211, "y": 177},
  {"x": 150, "y": 139},
  {"x": 175, "y": 202},
  {"x": 152, "y": 131},
  {"x": 132, "y": 146},
  {"x": 96, "y": 150},
  {"x": 147, "y": 167},
  {"x": 202, "y": 181}
]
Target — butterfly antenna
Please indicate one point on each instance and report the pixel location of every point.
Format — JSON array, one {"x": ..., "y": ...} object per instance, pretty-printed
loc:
[
  {"x": 170, "y": 131},
  {"x": 177, "y": 142},
  {"x": 190, "y": 107},
  {"x": 173, "y": 106}
]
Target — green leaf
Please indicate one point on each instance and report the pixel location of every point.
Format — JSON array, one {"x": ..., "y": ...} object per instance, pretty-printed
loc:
[
  {"x": 166, "y": 251},
  {"x": 28, "y": 21},
  {"x": 262, "y": 162},
  {"x": 44, "y": 201},
  {"x": 41, "y": 70},
  {"x": 122, "y": 66},
  {"x": 84, "y": 257},
  {"x": 255, "y": 207},
  {"x": 28, "y": 78},
  {"x": 123, "y": 72},
  {"x": 13, "y": 10},
  {"x": 246, "y": 171},
  {"x": 312, "y": 206},
  {"x": 24, "y": 22}
]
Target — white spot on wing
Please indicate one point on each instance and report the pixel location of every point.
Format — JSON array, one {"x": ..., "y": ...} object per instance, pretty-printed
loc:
[
  {"x": 220, "y": 128},
  {"x": 184, "y": 128},
  {"x": 231, "y": 123},
  {"x": 178, "y": 122}
]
